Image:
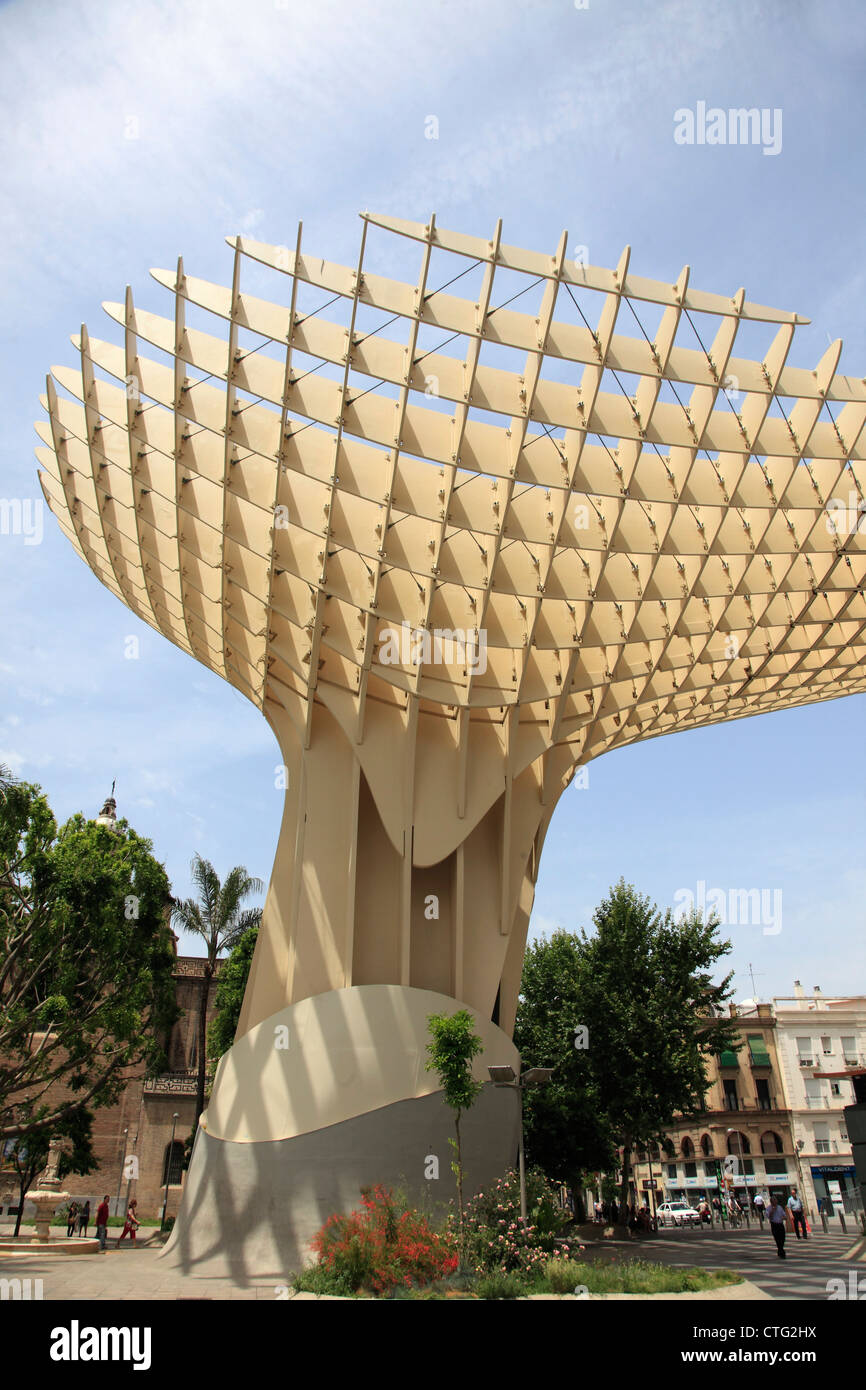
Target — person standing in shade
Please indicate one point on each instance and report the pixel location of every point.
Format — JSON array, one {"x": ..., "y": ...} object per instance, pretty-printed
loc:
[
  {"x": 102, "y": 1221},
  {"x": 70, "y": 1219},
  {"x": 798, "y": 1216},
  {"x": 84, "y": 1219},
  {"x": 777, "y": 1225}
]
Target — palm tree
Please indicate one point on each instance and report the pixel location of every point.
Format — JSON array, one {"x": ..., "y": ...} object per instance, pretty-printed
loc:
[{"x": 220, "y": 919}]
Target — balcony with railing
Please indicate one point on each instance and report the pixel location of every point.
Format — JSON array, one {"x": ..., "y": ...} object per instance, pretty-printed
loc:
[
  {"x": 759, "y": 1103},
  {"x": 759, "y": 1057}
]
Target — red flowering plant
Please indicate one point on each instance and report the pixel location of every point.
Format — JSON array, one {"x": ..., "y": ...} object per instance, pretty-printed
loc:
[
  {"x": 497, "y": 1239},
  {"x": 380, "y": 1246}
]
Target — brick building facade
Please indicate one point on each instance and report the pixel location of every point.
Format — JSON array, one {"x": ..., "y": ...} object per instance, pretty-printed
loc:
[{"x": 131, "y": 1139}]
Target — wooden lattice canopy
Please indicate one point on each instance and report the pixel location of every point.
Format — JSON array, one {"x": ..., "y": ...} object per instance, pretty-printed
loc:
[
  {"x": 647, "y": 532},
  {"x": 636, "y": 523}
]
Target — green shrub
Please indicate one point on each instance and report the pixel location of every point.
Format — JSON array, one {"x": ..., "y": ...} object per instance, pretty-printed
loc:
[
  {"x": 498, "y": 1285},
  {"x": 641, "y": 1277},
  {"x": 316, "y": 1279}
]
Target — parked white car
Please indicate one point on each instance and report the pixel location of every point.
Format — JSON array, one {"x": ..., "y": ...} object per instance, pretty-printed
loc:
[{"x": 677, "y": 1214}]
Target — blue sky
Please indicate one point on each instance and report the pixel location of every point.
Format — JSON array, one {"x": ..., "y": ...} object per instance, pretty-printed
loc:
[{"x": 133, "y": 132}]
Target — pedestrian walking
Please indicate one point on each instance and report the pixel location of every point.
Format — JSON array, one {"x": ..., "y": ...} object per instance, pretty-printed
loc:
[
  {"x": 131, "y": 1224},
  {"x": 758, "y": 1204},
  {"x": 102, "y": 1221},
  {"x": 84, "y": 1219},
  {"x": 777, "y": 1225},
  {"x": 70, "y": 1218},
  {"x": 798, "y": 1215}
]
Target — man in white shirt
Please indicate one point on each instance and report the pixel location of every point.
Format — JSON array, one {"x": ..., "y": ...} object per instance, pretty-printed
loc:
[
  {"x": 759, "y": 1208},
  {"x": 798, "y": 1216}
]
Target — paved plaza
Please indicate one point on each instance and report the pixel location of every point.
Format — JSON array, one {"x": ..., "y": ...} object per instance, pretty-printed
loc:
[
  {"x": 803, "y": 1274},
  {"x": 132, "y": 1273}
]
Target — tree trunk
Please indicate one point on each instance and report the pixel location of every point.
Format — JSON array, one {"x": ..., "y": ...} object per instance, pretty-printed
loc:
[
  {"x": 202, "y": 1045},
  {"x": 623, "y": 1187},
  {"x": 23, "y": 1185}
]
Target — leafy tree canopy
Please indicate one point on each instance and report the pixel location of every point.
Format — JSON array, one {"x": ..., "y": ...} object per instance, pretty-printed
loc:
[
  {"x": 230, "y": 990},
  {"x": 452, "y": 1049},
  {"x": 642, "y": 988},
  {"x": 86, "y": 962},
  {"x": 219, "y": 918},
  {"x": 566, "y": 1129}
]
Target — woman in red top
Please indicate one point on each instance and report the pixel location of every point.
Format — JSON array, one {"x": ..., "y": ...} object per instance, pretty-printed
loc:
[{"x": 131, "y": 1225}]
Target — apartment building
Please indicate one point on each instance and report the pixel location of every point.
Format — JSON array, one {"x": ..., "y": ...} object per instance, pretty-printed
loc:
[
  {"x": 743, "y": 1128},
  {"x": 820, "y": 1041}
]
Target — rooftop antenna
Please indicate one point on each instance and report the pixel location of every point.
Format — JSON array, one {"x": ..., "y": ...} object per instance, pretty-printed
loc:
[{"x": 752, "y": 978}]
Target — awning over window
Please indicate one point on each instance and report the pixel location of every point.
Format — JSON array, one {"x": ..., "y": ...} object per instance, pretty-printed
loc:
[
  {"x": 728, "y": 1058},
  {"x": 758, "y": 1052}
]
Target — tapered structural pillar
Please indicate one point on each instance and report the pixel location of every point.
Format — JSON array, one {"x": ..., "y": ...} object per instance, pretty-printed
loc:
[
  {"x": 378, "y": 879},
  {"x": 453, "y": 546}
]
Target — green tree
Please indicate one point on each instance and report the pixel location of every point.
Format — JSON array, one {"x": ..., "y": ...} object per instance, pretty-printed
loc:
[
  {"x": 452, "y": 1050},
  {"x": 643, "y": 990},
  {"x": 230, "y": 990},
  {"x": 566, "y": 1130},
  {"x": 220, "y": 919},
  {"x": 86, "y": 960},
  {"x": 29, "y": 1156},
  {"x": 653, "y": 1014}
]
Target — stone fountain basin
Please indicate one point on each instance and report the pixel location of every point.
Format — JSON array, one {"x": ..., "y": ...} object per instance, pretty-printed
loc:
[{"x": 70, "y": 1246}]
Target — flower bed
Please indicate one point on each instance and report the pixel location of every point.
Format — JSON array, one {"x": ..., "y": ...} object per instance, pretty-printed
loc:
[
  {"x": 497, "y": 1241},
  {"x": 377, "y": 1248}
]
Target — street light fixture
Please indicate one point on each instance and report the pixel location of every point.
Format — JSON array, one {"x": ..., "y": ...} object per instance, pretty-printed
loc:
[
  {"x": 743, "y": 1165},
  {"x": 533, "y": 1076},
  {"x": 120, "y": 1174}
]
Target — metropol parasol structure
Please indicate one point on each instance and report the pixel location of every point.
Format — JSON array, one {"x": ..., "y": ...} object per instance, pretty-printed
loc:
[{"x": 455, "y": 537}]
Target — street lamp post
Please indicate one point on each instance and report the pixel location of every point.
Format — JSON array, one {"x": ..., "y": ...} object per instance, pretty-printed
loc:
[
  {"x": 534, "y": 1076},
  {"x": 652, "y": 1195},
  {"x": 168, "y": 1164},
  {"x": 798, "y": 1149},
  {"x": 743, "y": 1166},
  {"x": 120, "y": 1174}
]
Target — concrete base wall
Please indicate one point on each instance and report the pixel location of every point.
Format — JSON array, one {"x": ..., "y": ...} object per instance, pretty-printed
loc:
[{"x": 250, "y": 1210}]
